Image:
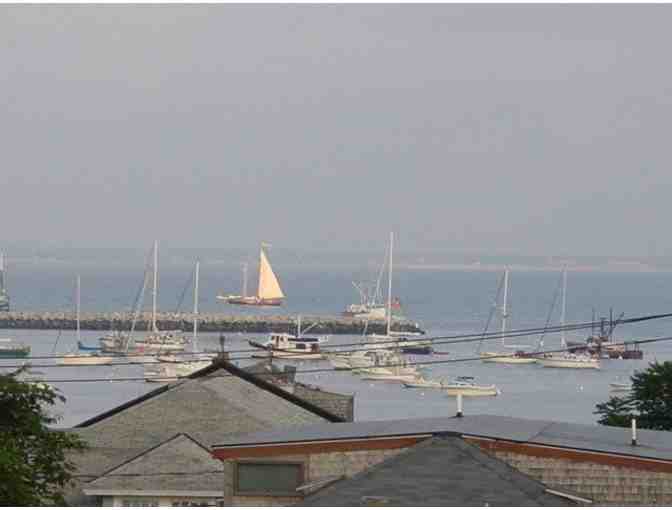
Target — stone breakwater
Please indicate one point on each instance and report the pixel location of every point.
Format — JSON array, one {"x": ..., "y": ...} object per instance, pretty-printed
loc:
[{"x": 213, "y": 322}]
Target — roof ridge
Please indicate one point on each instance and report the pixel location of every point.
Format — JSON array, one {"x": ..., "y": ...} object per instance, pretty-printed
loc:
[{"x": 218, "y": 363}]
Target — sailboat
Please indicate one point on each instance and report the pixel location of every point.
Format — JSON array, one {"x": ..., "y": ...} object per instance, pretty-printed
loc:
[
  {"x": 4, "y": 297},
  {"x": 566, "y": 359},
  {"x": 171, "y": 367},
  {"x": 75, "y": 358},
  {"x": 155, "y": 340},
  {"x": 269, "y": 292},
  {"x": 516, "y": 358},
  {"x": 392, "y": 339}
]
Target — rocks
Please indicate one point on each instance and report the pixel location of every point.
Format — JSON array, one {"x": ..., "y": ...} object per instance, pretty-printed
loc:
[{"x": 212, "y": 322}]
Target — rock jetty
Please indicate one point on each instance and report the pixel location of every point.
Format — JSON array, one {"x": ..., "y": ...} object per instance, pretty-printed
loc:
[{"x": 212, "y": 322}]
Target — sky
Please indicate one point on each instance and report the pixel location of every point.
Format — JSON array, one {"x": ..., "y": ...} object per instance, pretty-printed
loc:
[{"x": 494, "y": 129}]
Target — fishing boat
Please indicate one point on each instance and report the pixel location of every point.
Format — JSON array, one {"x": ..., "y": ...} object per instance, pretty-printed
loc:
[
  {"x": 470, "y": 389},
  {"x": 269, "y": 292},
  {"x": 10, "y": 349},
  {"x": 288, "y": 346},
  {"x": 371, "y": 305},
  {"x": 395, "y": 340},
  {"x": 388, "y": 366},
  {"x": 512, "y": 358},
  {"x": 4, "y": 296}
]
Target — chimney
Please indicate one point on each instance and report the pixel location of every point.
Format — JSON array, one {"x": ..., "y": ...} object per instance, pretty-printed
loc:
[{"x": 633, "y": 423}]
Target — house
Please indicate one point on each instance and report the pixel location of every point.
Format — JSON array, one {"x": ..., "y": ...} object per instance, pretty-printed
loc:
[
  {"x": 443, "y": 461},
  {"x": 172, "y": 428}
]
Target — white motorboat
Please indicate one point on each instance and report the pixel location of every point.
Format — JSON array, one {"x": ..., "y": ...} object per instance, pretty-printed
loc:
[
  {"x": 421, "y": 382},
  {"x": 288, "y": 346},
  {"x": 388, "y": 366},
  {"x": 469, "y": 389}
]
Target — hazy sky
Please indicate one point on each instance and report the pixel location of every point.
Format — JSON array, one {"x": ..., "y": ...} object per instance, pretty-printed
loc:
[{"x": 497, "y": 129}]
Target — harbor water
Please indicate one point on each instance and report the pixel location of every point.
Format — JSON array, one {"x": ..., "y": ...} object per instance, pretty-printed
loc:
[{"x": 443, "y": 302}]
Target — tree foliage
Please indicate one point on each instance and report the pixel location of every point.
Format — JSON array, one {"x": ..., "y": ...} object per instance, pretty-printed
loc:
[
  {"x": 34, "y": 470},
  {"x": 650, "y": 400}
]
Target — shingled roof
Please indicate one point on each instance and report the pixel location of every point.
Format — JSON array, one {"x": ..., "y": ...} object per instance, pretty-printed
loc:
[
  {"x": 178, "y": 466},
  {"x": 442, "y": 471},
  {"x": 211, "y": 404}
]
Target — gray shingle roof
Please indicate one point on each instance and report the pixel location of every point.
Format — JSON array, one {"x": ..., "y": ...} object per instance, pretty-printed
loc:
[
  {"x": 442, "y": 471},
  {"x": 614, "y": 440},
  {"x": 179, "y": 465},
  {"x": 209, "y": 406}
]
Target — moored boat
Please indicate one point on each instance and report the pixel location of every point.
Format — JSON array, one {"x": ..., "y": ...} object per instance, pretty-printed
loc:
[
  {"x": 86, "y": 359},
  {"x": 469, "y": 389},
  {"x": 269, "y": 292},
  {"x": 568, "y": 360},
  {"x": 10, "y": 349}
]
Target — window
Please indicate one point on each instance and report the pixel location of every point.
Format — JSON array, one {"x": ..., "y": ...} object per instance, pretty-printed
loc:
[{"x": 268, "y": 478}]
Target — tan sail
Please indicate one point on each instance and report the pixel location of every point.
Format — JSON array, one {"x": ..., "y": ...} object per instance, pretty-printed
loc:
[{"x": 269, "y": 288}]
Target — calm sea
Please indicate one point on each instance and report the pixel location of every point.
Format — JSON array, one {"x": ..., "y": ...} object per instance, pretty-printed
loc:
[{"x": 443, "y": 302}]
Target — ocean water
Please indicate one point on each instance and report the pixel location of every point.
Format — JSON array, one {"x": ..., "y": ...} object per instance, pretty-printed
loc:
[{"x": 443, "y": 302}]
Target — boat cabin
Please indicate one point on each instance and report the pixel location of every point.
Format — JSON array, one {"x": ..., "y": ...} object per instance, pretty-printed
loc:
[{"x": 285, "y": 341}]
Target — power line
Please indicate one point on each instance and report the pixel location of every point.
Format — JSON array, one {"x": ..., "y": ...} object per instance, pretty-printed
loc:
[
  {"x": 325, "y": 370},
  {"x": 436, "y": 340},
  {"x": 362, "y": 346}
]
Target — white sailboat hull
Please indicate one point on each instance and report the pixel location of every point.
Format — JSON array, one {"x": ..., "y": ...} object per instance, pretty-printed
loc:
[
  {"x": 512, "y": 359},
  {"x": 569, "y": 363},
  {"x": 86, "y": 359}
]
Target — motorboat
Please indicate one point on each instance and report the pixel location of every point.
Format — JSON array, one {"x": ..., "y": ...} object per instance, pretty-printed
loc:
[{"x": 470, "y": 389}]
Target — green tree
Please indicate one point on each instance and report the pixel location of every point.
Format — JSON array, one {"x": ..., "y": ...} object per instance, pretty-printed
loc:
[
  {"x": 650, "y": 400},
  {"x": 34, "y": 470}
]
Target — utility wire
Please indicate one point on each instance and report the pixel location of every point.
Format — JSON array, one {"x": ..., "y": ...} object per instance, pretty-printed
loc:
[
  {"x": 436, "y": 340},
  {"x": 439, "y": 340},
  {"x": 326, "y": 370}
]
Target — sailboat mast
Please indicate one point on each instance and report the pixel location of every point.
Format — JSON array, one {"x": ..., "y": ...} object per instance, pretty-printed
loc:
[
  {"x": 245, "y": 279},
  {"x": 563, "y": 342},
  {"x": 196, "y": 272},
  {"x": 506, "y": 295},
  {"x": 389, "y": 288},
  {"x": 79, "y": 304},
  {"x": 155, "y": 284},
  {"x": 2, "y": 271}
]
